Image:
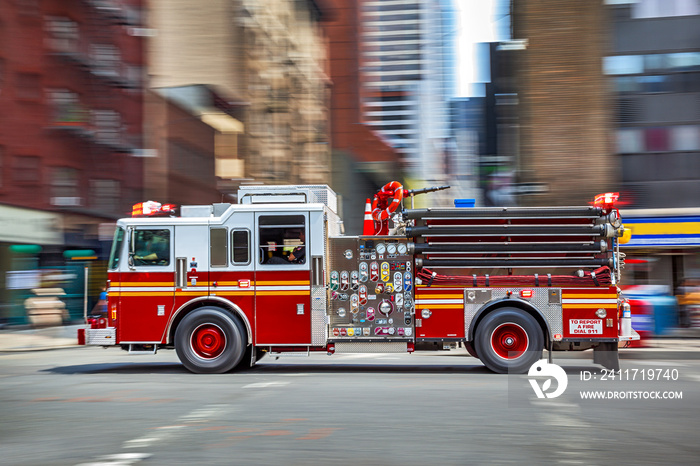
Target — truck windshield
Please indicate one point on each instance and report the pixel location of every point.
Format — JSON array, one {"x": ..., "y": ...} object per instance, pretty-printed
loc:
[{"x": 116, "y": 248}]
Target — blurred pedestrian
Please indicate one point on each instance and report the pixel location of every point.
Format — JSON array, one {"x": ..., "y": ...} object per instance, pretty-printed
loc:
[
  {"x": 688, "y": 300},
  {"x": 100, "y": 309}
]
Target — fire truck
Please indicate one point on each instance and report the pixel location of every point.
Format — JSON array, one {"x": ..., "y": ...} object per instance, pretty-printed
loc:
[{"x": 225, "y": 284}]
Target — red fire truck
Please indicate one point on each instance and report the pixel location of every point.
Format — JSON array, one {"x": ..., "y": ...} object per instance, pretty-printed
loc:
[{"x": 224, "y": 284}]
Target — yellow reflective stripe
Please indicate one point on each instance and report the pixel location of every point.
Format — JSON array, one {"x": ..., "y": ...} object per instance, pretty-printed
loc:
[
  {"x": 663, "y": 228},
  {"x": 284, "y": 293},
  {"x": 123, "y": 284},
  {"x": 441, "y": 306},
  {"x": 218, "y": 282},
  {"x": 438, "y": 296},
  {"x": 588, "y": 296},
  {"x": 589, "y": 306},
  {"x": 291, "y": 282},
  {"x": 146, "y": 293}
]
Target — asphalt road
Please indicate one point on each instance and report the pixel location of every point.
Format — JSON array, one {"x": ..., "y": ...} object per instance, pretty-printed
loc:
[{"x": 104, "y": 407}]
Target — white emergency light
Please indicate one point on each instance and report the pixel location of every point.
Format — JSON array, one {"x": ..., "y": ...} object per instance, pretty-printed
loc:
[{"x": 152, "y": 208}]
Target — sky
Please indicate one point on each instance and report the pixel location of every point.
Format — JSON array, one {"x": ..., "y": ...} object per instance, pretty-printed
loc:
[{"x": 476, "y": 24}]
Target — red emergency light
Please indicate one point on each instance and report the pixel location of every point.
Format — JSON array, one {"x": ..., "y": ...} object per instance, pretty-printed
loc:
[
  {"x": 606, "y": 200},
  {"x": 152, "y": 209},
  {"x": 526, "y": 293}
]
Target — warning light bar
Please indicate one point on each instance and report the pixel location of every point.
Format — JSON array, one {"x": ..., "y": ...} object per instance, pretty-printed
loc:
[
  {"x": 606, "y": 200},
  {"x": 153, "y": 209},
  {"x": 526, "y": 293}
]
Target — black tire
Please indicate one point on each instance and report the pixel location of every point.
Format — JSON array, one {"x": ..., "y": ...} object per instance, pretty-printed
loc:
[
  {"x": 470, "y": 349},
  {"x": 209, "y": 340},
  {"x": 246, "y": 361},
  {"x": 509, "y": 340}
]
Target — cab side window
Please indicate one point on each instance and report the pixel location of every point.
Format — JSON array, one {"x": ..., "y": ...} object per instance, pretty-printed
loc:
[
  {"x": 240, "y": 247},
  {"x": 282, "y": 239},
  {"x": 151, "y": 247}
]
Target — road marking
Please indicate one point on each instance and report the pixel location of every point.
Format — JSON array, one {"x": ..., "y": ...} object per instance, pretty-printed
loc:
[
  {"x": 554, "y": 404},
  {"x": 203, "y": 414},
  {"x": 161, "y": 434},
  {"x": 265, "y": 384},
  {"x": 120, "y": 459}
]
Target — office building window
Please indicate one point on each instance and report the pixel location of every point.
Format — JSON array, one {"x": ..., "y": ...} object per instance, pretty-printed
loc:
[
  {"x": 664, "y": 8},
  {"x": 66, "y": 107},
  {"x": 107, "y": 59},
  {"x": 107, "y": 125},
  {"x": 656, "y": 139},
  {"x": 63, "y": 34},
  {"x": 685, "y": 138},
  {"x": 64, "y": 182},
  {"x": 629, "y": 141}
]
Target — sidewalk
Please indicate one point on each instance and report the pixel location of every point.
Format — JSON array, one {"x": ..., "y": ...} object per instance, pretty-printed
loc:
[
  {"x": 682, "y": 343},
  {"x": 31, "y": 339}
]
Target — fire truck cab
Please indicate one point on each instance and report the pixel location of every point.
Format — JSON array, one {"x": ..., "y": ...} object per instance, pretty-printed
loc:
[{"x": 224, "y": 284}]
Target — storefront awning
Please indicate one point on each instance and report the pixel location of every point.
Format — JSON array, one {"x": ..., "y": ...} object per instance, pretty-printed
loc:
[
  {"x": 27, "y": 226},
  {"x": 661, "y": 230}
]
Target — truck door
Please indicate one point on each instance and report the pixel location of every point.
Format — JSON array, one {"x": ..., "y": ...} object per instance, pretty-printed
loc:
[
  {"x": 231, "y": 273},
  {"x": 282, "y": 279},
  {"x": 192, "y": 264},
  {"x": 147, "y": 285}
]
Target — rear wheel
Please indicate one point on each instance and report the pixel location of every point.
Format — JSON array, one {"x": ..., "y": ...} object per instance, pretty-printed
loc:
[
  {"x": 210, "y": 341},
  {"x": 247, "y": 359},
  {"x": 509, "y": 340},
  {"x": 470, "y": 349}
]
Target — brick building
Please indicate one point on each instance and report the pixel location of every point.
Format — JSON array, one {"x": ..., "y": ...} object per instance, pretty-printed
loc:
[
  {"x": 71, "y": 77},
  {"x": 362, "y": 160},
  {"x": 565, "y": 108},
  {"x": 70, "y": 130}
]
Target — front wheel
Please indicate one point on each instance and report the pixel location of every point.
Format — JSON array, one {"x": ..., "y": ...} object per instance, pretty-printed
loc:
[
  {"x": 210, "y": 341},
  {"x": 509, "y": 340}
]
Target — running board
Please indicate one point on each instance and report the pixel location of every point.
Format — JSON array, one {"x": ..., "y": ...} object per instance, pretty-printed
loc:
[
  {"x": 142, "y": 349},
  {"x": 289, "y": 354}
]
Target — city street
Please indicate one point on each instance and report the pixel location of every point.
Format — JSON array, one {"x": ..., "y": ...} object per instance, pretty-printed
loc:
[{"x": 93, "y": 406}]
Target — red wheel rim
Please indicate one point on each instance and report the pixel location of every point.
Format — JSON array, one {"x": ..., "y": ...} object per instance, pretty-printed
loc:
[
  {"x": 509, "y": 341},
  {"x": 208, "y": 341}
]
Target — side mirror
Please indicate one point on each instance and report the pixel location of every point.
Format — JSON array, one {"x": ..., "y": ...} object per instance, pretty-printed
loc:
[{"x": 132, "y": 252}]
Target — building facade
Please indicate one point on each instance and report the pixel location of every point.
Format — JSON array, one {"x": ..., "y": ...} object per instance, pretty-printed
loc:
[
  {"x": 653, "y": 67},
  {"x": 405, "y": 47},
  {"x": 71, "y": 77},
  {"x": 656, "y": 86},
  {"x": 362, "y": 161},
  {"x": 564, "y": 101},
  {"x": 267, "y": 61}
]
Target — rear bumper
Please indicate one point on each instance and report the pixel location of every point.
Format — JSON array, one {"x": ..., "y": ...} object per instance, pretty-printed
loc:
[
  {"x": 97, "y": 336},
  {"x": 632, "y": 336}
]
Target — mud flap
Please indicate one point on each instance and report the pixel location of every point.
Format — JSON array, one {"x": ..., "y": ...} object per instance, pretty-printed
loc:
[{"x": 607, "y": 356}]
